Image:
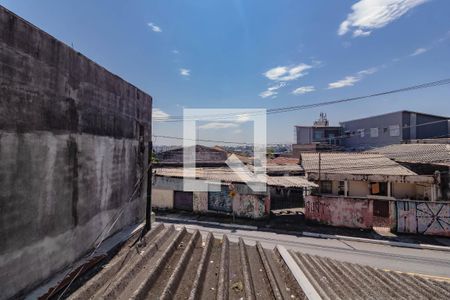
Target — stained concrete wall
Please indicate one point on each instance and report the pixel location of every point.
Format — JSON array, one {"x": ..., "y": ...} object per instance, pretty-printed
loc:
[
  {"x": 422, "y": 217},
  {"x": 162, "y": 199},
  {"x": 72, "y": 145},
  {"x": 339, "y": 211},
  {"x": 358, "y": 188},
  {"x": 243, "y": 201},
  {"x": 401, "y": 190}
]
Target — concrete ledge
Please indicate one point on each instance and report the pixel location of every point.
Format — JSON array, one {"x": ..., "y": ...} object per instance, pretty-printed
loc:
[
  {"x": 216, "y": 224},
  {"x": 307, "y": 234},
  {"x": 380, "y": 242}
]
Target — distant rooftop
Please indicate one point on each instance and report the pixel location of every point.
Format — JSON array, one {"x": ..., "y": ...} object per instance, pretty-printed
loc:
[
  {"x": 417, "y": 153},
  {"x": 226, "y": 175},
  {"x": 396, "y": 112},
  {"x": 352, "y": 163}
]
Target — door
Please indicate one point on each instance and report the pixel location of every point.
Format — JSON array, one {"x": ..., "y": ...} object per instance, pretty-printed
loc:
[
  {"x": 282, "y": 198},
  {"x": 183, "y": 200},
  {"x": 381, "y": 208}
]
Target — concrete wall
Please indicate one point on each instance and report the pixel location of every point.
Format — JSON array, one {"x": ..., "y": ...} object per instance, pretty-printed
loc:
[
  {"x": 358, "y": 188},
  {"x": 70, "y": 153},
  {"x": 400, "y": 190},
  {"x": 162, "y": 198},
  {"x": 339, "y": 211},
  {"x": 250, "y": 206},
  {"x": 200, "y": 202},
  {"x": 243, "y": 201},
  {"x": 436, "y": 126},
  {"x": 429, "y": 218},
  {"x": 382, "y": 122}
]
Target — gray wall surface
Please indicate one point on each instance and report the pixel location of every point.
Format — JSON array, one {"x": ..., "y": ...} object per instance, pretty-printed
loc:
[
  {"x": 303, "y": 135},
  {"x": 356, "y": 142},
  {"x": 431, "y": 127},
  {"x": 71, "y": 150},
  {"x": 412, "y": 125}
]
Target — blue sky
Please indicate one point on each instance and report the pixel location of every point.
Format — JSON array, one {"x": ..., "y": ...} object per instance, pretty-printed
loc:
[{"x": 261, "y": 54}]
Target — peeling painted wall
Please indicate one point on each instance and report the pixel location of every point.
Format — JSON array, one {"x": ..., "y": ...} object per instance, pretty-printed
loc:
[
  {"x": 250, "y": 206},
  {"x": 200, "y": 202},
  {"x": 429, "y": 218},
  {"x": 162, "y": 198},
  {"x": 237, "y": 199},
  {"x": 339, "y": 211}
]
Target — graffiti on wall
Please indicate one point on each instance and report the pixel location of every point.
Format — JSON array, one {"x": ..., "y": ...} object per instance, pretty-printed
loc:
[
  {"x": 430, "y": 218},
  {"x": 250, "y": 206},
  {"x": 339, "y": 211},
  {"x": 200, "y": 201},
  {"x": 220, "y": 201}
]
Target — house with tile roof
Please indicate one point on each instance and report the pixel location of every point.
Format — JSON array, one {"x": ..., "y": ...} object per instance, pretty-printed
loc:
[
  {"x": 366, "y": 175},
  {"x": 423, "y": 159}
]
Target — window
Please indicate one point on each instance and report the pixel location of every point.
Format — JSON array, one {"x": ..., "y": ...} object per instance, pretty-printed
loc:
[
  {"x": 394, "y": 130},
  {"x": 341, "y": 188},
  {"x": 361, "y": 132},
  {"x": 378, "y": 188},
  {"x": 373, "y": 132},
  {"x": 318, "y": 135},
  {"x": 326, "y": 187}
]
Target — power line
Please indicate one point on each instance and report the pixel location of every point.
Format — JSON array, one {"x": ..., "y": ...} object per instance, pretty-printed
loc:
[
  {"x": 357, "y": 133},
  {"x": 307, "y": 106}
]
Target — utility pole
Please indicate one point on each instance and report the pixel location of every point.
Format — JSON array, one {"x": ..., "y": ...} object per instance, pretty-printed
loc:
[
  {"x": 148, "y": 209},
  {"x": 320, "y": 168}
]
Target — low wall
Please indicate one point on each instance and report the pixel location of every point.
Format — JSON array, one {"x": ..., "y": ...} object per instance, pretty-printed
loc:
[
  {"x": 422, "y": 217},
  {"x": 339, "y": 211}
]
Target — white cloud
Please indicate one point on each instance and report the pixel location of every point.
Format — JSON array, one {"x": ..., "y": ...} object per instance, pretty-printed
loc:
[
  {"x": 175, "y": 51},
  {"x": 242, "y": 118},
  {"x": 347, "y": 81},
  {"x": 185, "y": 72},
  {"x": 351, "y": 80},
  {"x": 154, "y": 27},
  {"x": 272, "y": 90},
  {"x": 368, "y": 15},
  {"x": 303, "y": 90},
  {"x": 419, "y": 51},
  {"x": 159, "y": 114},
  {"x": 287, "y": 73},
  {"x": 369, "y": 71},
  {"x": 218, "y": 125}
]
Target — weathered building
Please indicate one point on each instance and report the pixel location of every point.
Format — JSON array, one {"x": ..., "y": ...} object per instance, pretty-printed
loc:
[
  {"x": 424, "y": 159},
  {"x": 73, "y": 143},
  {"x": 318, "y": 137},
  {"x": 361, "y": 189},
  {"x": 204, "y": 156},
  {"x": 393, "y": 128},
  {"x": 366, "y": 174},
  {"x": 232, "y": 195}
]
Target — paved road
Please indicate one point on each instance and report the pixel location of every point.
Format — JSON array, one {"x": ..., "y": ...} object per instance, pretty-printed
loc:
[{"x": 427, "y": 262}]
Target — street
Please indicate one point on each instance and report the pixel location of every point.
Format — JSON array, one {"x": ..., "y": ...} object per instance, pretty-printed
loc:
[{"x": 426, "y": 262}]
